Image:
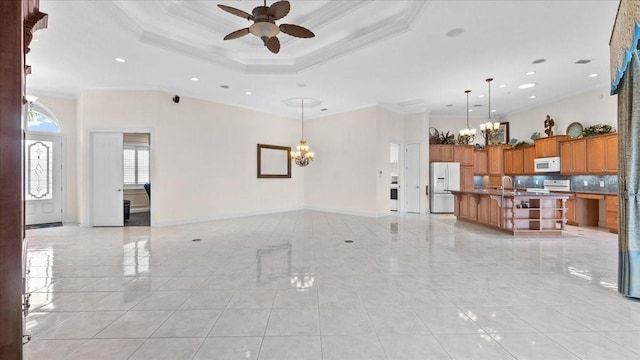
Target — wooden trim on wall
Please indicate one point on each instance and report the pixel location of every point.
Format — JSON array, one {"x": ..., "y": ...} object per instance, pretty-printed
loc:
[
  {"x": 11, "y": 205},
  {"x": 20, "y": 18}
]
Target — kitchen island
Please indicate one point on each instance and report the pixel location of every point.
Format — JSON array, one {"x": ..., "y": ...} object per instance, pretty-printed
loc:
[{"x": 512, "y": 211}]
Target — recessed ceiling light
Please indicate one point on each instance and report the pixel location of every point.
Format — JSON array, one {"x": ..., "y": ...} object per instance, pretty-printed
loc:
[
  {"x": 470, "y": 110},
  {"x": 538, "y": 61},
  {"x": 301, "y": 85},
  {"x": 477, "y": 105},
  {"x": 502, "y": 86},
  {"x": 530, "y": 73},
  {"x": 494, "y": 110},
  {"x": 582, "y": 61},
  {"x": 120, "y": 60},
  {"x": 455, "y": 32},
  {"x": 526, "y": 86},
  {"x": 248, "y": 92},
  {"x": 481, "y": 96},
  {"x": 324, "y": 109},
  {"x": 449, "y": 105},
  {"x": 532, "y": 97},
  {"x": 593, "y": 75},
  {"x": 195, "y": 79},
  {"x": 224, "y": 86}
]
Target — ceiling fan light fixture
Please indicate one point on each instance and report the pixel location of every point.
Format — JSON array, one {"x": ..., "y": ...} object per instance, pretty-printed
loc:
[{"x": 264, "y": 30}]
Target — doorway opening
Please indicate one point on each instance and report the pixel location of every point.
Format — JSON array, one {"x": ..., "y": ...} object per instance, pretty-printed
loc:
[
  {"x": 120, "y": 178},
  {"x": 394, "y": 171},
  {"x": 136, "y": 179}
]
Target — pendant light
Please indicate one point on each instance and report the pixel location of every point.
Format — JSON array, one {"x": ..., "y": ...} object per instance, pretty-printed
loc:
[
  {"x": 302, "y": 156},
  {"x": 490, "y": 128},
  {"x": 467, "y": 135}
]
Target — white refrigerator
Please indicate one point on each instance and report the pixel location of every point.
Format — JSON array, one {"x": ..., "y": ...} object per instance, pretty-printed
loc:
[{"x": 444, "y": 176}]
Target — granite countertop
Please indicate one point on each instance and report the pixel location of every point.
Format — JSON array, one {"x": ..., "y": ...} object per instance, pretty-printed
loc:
[{"x": 509, "y": 193}]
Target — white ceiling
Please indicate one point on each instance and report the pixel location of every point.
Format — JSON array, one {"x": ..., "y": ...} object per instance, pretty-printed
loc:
[{"x": 392, "y": 53}]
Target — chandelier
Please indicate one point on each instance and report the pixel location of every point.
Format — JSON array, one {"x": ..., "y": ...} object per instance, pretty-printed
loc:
[
  {"x": 302, "y": 156},
  {"x": 489, "y": 129},
  {"x": 467, "y": 135}
]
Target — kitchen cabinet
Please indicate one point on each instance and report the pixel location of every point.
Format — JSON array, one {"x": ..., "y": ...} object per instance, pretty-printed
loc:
[
  {"x": 441, "y": 153},
  {"x": 463, "y": 154},
  {"x": 494, "y": 155},
  {"x": 611, "y": 205},
  {"x": 573, "y": 157},
  {"x": 528, "y": 156},
  {"x": 548, "y": 146},
  {"x": 480, "y": 162},
  {"x": 583, "y": 209},
  {"x": 466, "y": 177},
  {"x": 571, "y": 210},
  {"x": 514, "y": 161},
  {"x": 602, "y": 154},
  {"x": 507, "y": 161}
]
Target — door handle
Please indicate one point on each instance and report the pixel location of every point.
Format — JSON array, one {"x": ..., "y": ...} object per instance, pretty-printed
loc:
[{"x": 119, "y": 190}]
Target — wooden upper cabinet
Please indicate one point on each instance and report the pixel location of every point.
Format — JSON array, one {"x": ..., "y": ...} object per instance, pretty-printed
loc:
[
  {"x": 507, "y": 158},
  {"x": 514, "y": 161},
  {"x": 495, "y": 160},
  {"x": 612, "y": 154},
  {"x": 602, "y": 154},
  {"x": 528, "y": 156},
  {"x": 518, "y": 161},
  {"x": 480, "y": 161},
  {"x": 441, "y": 153},
  {"x": 463, "y": 154},
  {"x": 548, "y": 146},
  {"x": 573, "y": 156}
]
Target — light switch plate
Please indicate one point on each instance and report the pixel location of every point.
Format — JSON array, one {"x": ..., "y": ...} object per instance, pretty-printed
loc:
[
  {"x": 586, "y": 183},
  {"x": 601, "y": 183}
]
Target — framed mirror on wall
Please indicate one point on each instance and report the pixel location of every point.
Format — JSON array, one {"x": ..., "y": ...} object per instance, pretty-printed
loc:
[{"x": 274, "y": 161}]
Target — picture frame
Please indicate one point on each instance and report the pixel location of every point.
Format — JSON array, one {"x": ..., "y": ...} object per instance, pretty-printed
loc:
[
  {"x": 501, "y": 136},
  {"x": 274, "y": 161}
]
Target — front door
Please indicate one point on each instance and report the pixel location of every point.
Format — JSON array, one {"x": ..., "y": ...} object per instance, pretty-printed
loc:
[
  {"x": 107, "y": 178},
  {"x": 412, "y": 176},
  {"x": 43, "y": 179}
]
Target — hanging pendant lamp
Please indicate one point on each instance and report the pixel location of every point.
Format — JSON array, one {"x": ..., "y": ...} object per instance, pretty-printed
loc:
[{"x": 302, "y": 156}]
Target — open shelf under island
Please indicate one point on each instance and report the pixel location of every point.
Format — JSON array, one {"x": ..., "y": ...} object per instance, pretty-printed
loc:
[{"x": 515, "y": 212}]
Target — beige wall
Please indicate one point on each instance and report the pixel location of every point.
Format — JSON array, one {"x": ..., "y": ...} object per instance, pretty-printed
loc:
[
  {"x": 203, "y": 154},
  {"x": 343, "y": 176}
]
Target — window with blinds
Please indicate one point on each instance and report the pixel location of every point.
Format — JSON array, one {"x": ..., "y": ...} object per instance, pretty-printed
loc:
[{"x": 136, "y": 165}]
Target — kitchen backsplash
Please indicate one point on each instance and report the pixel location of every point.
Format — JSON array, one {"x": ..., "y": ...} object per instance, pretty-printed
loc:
[{"x": 593, "y": 182}]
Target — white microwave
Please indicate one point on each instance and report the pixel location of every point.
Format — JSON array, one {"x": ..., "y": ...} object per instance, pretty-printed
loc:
[{"x": 548, "y": 164}]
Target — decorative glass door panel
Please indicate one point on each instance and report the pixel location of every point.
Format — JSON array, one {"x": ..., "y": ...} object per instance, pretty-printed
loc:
[
  {"x": 39, "y": 169},
  {"x": 43, "y": 179}
]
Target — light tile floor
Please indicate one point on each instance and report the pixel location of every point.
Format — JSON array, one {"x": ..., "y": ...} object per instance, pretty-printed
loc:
[{"x": 287, "y": 286}]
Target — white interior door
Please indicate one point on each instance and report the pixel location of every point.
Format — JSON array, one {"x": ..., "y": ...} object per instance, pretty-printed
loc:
[
  {"x": 107, "y": 179},
  {"x": 412, "y": 177},
  {"x": 43, "y": 179}
]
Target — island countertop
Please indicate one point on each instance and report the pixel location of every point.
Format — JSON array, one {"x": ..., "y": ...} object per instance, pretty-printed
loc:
[
  {"x": 513, "y": 211},
  {"x": 512, "y": 193}
]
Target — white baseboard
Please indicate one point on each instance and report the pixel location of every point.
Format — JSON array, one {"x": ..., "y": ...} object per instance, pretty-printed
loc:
[{"x": 139, "y": 210}]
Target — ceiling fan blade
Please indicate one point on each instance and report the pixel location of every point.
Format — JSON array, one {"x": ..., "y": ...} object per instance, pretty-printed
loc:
[
  {"x": 296, "y": 31},
  {"x": 273, "y": 44},
  {"x": 279, "y": 9},
  {"x": 236, "y": 34},
  {"x": 236, "y": 12}
]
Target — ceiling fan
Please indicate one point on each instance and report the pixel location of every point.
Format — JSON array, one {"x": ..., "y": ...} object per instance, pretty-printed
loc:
[{"x": 264, "y": 24}]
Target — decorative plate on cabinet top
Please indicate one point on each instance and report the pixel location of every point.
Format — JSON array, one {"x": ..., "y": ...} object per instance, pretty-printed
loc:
[{"x": 574, "y": 130}]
